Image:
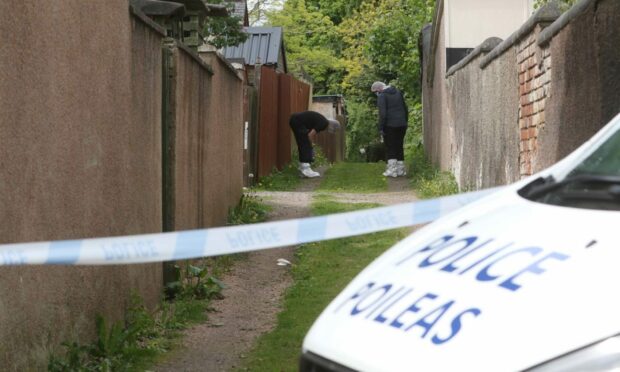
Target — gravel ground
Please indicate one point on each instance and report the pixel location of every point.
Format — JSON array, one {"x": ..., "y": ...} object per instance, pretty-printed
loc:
[{"x": 255, "y": 288}]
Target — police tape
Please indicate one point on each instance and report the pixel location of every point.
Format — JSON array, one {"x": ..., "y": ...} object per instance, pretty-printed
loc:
[{"x": 219, "y": 241}]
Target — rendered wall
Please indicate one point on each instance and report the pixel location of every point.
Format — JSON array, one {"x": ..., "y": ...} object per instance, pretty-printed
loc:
[
  {"x": 190, "y": 93},
  {"x": 484, "y": 151},
  {"x": 80, "y": 149},
  {"x": 223, "y": 167},
  {"x": 585, "y": 79}
]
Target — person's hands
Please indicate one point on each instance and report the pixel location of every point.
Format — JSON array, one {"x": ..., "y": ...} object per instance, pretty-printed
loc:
[{"x": 312, "y": 135}]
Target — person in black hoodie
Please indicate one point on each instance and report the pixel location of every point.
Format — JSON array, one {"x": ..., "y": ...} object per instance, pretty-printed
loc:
[
  {"x": 305, "y": 125},
  {"x": 393, "y": 121}
]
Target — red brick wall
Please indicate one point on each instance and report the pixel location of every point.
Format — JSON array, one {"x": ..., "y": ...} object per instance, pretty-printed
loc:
[{"x": 534, "y": 66}]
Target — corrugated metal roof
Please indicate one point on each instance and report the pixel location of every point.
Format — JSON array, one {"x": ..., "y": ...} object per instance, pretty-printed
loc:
[{"x": 264, "y": 43}]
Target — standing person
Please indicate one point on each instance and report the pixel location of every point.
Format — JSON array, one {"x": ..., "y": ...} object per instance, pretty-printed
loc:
[
  {"x": 305, "y": 126},
  {"x": 393, "y": 120}
]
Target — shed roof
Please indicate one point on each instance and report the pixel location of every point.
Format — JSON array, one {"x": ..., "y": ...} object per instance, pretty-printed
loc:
[{"x": 263, "y": 46}]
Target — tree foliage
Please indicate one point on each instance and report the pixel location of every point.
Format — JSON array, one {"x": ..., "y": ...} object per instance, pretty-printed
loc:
[
  {"x": 259, "y": 10},
  {"x": 342, "y": 46},
  {"x": 310, "y": 42},
  {"x": 224, "y": 31},
  {"x": 336, "y": 10},
  {"x": 564, "y": 4}
]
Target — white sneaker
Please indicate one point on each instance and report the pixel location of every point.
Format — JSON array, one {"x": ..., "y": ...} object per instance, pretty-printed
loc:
[
  {"x": 306, "y": 171},
  {"x": 401, "y": 169},
  {"x": 390, "y": 170}
]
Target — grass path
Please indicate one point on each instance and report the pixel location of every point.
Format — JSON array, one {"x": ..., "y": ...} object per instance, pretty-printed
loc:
[{"x": 321, "y": 270}]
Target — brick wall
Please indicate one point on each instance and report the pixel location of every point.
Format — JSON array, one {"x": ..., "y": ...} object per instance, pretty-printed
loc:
[{"x": 534, "y": 66}]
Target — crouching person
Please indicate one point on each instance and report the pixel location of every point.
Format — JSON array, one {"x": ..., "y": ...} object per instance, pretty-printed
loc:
[{"x": 305, "y": 126}]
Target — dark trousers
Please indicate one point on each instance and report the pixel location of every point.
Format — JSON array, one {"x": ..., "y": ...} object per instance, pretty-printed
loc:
[
  {"x": 394, "y": 137},
  {"x": 304, "y": 146}
]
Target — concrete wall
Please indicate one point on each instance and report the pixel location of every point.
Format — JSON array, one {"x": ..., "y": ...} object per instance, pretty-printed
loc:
[
  {"x": 70, "y": 172},
  {"x": 485, "y": 141},
  {"x": 223, "y": 168},
  {"x": 528, "y": 101},
  {"x": 585, "y": 78}
]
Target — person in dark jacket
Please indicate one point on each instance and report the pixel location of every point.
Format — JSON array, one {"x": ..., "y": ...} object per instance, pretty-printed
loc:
[
  {"x": 305, "y": 126},
  {"x": 393, "y": 121}
]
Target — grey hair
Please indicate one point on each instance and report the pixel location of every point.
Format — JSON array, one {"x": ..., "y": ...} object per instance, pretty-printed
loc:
[
  {"x": 377, "y": 86},
  {"x": 333, "y": 126}
]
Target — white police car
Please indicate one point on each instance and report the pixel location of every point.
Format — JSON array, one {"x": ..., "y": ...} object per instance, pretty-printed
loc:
[{"x": 524, "y": 279}]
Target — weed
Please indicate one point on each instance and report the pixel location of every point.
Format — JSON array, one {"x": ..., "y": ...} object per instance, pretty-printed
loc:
[
  {"x": 193, "y": 282},
  {"x": 426, "y": 179},
  {"x": 143, "y": 335},
  {"x": 250, "y": 209},
  {"x": 129, "y": 345}
]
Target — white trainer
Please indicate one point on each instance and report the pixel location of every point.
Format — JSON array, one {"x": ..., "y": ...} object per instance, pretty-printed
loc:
[
  {"x": 401, "y": 169},
  {"x": 306, "y": 171},
  {"x": 390, "y": 170}
]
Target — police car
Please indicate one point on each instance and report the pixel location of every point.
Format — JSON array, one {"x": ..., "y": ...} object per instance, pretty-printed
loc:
[{"x": 523, "y": 279}]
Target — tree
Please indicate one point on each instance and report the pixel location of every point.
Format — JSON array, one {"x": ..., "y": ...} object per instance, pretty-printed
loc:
[
  {"x": 336, "y": 10},
  {"x": 260, "y": 9},
  {"x": 309, "y": 39},
  {"x": 224, "y": 31},
  {"x": 564, "y": 4}
]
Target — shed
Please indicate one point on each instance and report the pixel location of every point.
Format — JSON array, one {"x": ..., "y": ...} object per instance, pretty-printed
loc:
[{"x": 264, "y": 46}]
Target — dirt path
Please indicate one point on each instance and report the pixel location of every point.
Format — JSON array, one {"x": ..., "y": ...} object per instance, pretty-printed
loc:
[{"x": 255, "y": 287}]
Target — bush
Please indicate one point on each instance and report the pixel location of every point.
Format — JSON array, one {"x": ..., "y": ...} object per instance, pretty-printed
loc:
[{"x": 361, "y": 129}]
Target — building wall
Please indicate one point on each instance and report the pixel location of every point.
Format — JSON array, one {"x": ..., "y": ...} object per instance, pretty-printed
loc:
[
  {"x": 437, "y": 127},
  {"x": 80, "y": 148},
  {"x": 483, "y": 19}
]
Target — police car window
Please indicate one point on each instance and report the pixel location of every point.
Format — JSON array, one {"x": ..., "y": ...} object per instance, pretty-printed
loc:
[
  {"x": 604, "y": 161},
  {"x": 593, "y": 184}
]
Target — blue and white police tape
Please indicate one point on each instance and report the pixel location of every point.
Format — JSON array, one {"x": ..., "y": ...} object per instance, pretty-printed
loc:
[{"x": 232, "y": 239}]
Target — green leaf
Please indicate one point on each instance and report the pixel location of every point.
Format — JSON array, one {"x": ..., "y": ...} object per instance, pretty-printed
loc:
[{"x": 196, "y": 271}]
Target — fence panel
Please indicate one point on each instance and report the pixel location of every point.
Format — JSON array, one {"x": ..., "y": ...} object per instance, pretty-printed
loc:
[{"x": 294, "y": 96}]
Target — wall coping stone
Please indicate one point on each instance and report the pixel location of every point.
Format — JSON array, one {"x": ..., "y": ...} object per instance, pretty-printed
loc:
[
  {"x": 175, "y": 43},
  {"x": 486, "y": 46},
  {"x": 546, "y": 14},
  {"x": 146, "y": 20},
  {"x": 575, "y": 11},
  {"x": 221, "y": 58},
  {"x": 437, "y": 20}
]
